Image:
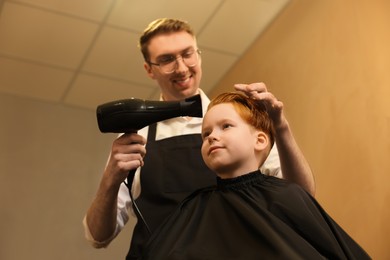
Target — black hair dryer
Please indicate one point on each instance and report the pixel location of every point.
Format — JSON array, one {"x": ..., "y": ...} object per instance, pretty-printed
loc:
[{"x": 130, "y": 115}]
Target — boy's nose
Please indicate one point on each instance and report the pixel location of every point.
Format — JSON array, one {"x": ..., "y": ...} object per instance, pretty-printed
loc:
[{"x": 211, "y": 138}]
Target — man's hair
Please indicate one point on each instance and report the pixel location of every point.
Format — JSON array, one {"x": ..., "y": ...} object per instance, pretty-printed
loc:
[
  {"x": 161, "y": 26},
  {"x": 254, "y": 112}
]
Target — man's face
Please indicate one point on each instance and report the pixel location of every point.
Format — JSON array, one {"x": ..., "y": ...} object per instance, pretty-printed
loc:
[{"x": 182, "y": 82}]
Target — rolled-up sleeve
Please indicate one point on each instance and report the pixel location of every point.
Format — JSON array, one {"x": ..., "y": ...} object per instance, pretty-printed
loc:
[
  {"x": 271, "y": 166},
  {"x": 123, "y": 209}
]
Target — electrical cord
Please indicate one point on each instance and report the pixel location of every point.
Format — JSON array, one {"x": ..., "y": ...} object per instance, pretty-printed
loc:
[{"x": 138, "y": 213}]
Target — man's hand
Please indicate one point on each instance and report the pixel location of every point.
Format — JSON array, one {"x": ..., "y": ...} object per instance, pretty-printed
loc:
[
  {"x": 259, "y": 91},
  {"x": 127, "y": 154}
]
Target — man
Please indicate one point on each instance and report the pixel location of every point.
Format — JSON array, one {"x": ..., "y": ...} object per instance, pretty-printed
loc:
[{"x": 172, "y": 168}]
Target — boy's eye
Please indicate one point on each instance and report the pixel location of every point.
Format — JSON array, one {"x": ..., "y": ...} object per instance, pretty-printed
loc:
[
  {"x": 224, "y": 126},
  {"x": 205, "y": 135}
]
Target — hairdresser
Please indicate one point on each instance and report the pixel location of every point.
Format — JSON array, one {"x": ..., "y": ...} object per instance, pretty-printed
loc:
[{"x": 167, "y": 154}]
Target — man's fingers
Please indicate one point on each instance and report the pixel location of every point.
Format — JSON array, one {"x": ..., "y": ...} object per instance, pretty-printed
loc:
[{"x": 257, "y": 87}]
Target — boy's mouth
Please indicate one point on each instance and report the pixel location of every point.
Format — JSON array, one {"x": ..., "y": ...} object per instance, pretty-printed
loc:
[{"x": 213, "y": 148}]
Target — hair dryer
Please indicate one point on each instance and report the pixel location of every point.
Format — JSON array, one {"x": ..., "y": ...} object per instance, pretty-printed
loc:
[{"x": 130, "y": 115}]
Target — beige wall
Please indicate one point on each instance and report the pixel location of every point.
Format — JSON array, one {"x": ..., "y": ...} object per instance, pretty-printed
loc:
[
  {"x": 51, "y": 158},
  {"x": 329, "y": 62}
]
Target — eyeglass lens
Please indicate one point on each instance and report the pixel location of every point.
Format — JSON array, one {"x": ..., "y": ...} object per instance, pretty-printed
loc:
[{"x": 189, "y": 59}]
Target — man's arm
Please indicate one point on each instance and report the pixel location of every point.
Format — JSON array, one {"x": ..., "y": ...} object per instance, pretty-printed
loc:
[
  {"x": 293, "y": 164},
  {"x": 101, "y": 215},
  {"x": 127, "y": 154}
]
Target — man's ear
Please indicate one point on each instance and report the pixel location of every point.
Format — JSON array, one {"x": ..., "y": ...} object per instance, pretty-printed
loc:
[
  {"x": 262, "y": 141},
  {"x": 149, "y": 70}
]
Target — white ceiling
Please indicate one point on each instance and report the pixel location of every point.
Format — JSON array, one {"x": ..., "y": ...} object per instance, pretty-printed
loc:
[{"x": 84, "y": 52}]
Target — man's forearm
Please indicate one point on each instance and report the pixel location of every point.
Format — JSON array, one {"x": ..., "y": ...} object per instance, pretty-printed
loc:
[
  {"x": 293, "y": 163},
  {"x": 102, "y": 215}
]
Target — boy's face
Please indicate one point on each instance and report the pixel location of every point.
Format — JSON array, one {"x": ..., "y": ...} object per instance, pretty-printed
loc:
[
  {"x": 231, "y": 147},
  {"x": 184, "y": 81}
]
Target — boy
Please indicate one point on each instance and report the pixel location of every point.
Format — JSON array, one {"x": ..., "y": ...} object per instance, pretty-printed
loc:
[{"x": 247, "y": 215}]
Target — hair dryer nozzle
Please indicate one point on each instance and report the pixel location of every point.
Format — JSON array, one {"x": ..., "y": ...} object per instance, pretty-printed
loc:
[{"x": 130, "y": 115}]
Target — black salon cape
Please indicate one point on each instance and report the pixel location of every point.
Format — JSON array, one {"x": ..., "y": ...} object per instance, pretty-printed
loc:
[{"x": 251, "y": 217}]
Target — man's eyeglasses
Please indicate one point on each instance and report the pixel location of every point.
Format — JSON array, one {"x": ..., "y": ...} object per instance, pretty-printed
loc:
[{"x": 168, "y": 63}]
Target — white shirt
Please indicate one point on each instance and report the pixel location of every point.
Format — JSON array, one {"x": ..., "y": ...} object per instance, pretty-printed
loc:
[{"x": 165, "y": 129}]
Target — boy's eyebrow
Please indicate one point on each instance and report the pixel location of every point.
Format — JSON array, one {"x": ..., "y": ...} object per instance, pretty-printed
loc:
[{"x": 219, "y": 121}]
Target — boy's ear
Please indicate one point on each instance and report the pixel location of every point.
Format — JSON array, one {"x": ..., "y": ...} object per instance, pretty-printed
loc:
[
  {"x": 149, "y": 70},
  {"x": 262, "y": 141}
]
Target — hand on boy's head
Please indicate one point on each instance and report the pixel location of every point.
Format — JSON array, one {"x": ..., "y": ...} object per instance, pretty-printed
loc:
[{"x": 259, "y": 91}]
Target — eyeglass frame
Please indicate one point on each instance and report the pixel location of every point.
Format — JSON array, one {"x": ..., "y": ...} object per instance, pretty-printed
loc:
[{"x": 196, "y": 52}]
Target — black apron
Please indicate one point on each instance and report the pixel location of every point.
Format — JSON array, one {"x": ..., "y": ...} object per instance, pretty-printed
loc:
[{"x": 173, "y": 169}]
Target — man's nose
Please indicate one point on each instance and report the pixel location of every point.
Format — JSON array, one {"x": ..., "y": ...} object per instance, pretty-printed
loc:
[{"x": 181, "y": 65}]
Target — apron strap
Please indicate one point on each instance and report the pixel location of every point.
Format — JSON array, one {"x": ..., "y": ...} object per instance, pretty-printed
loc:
[{"x": 152, "y": 132}]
